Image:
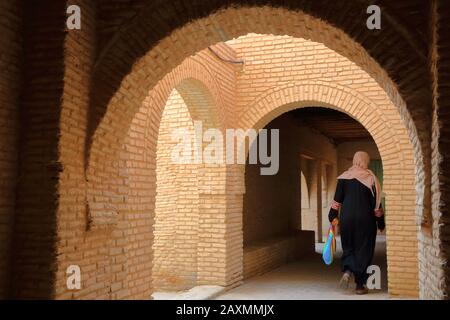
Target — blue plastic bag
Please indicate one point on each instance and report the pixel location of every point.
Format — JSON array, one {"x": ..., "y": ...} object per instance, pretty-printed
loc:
[{"x": 330, "y": 247}]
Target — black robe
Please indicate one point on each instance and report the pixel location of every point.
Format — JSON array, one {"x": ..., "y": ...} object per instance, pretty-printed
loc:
[{"x": 358, "y": 226}]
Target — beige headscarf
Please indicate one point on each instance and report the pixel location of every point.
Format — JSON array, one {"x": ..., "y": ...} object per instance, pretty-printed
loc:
[{"x": 360, "y": 171}]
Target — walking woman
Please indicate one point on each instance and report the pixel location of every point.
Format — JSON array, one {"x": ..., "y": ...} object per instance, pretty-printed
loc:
[{"x": 357, "y": 210}]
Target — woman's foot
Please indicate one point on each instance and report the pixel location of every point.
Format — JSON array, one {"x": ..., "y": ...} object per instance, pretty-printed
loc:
[
  {"x": 345, "y": 280},
  {"x": 361, "y": 290}
]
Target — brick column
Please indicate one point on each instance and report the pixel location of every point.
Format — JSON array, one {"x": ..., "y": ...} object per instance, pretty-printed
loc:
[
  {"x": 220, "y": 235},
  {"x": 442, "y": 113},
  {"x": 220, "y": 240},
  {"x": 434, "y": 244}
]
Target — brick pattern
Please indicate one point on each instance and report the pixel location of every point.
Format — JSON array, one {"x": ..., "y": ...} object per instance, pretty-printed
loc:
[
  {"x": 160, "y": 62},
  {"x": 442, "y": 115},
  {"x": 268, "y": 208},
  {"x": 309, "y": 28},
  {"x": 402, "y": 32},
  {"x": 257, "y": 103},
  {"x": 176, "y": 207},
  {"x": 434, "y": 252},
  {"x": 98, "y": 254},
  {"x": 269, "y": 87},
  {"x": 79, "y": 96},
  {"x": 197, "y": 82}
]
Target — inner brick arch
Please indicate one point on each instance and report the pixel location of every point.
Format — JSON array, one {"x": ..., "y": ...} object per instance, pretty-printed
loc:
[
  {"x": 176, "y": 203},
  {"x": 157, "y": 63},
  {"x": 194, "y": 81},
  {"x": 136, "y": 35},
  {"x": 397, "y": 154},
  {"x": 181, "y": 187},
  {"x": 264, "y": 20},
  {"x": 196, "y": 86}
]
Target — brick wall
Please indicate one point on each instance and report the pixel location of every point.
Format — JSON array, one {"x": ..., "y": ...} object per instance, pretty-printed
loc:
[
  {"x": 405, "y": 63},
  {"x": 292, "y": 73},
  {"x": 158, "y": 63},
  {"x": 10, "y": 64},
  {"x": 122, "y": 86},
  {"x": 270, "y": 79},
  {"x": 433, "y": 252},
  {"x": 197, "y": 81},
  {"x": 98, "y": 253},
  {"x": 443, "y": 117},
  {"x": 176, "y": 207},
  {"x": 84, "y": 198}
]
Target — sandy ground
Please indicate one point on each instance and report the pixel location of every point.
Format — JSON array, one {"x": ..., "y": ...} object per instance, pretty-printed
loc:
[{"x": 309, "y": 279}]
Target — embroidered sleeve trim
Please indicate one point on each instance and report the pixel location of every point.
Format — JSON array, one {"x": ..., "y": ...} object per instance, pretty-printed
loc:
[{"x": 335, "y": 205}]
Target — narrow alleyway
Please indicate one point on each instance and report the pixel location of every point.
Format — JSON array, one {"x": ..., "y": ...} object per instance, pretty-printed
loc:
[
  {"x": 127, "y": 164},
  {"x": 308, "y": 279}
]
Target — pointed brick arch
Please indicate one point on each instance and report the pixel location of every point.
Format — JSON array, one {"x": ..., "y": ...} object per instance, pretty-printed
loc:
[{"x": 397, "y": 153}]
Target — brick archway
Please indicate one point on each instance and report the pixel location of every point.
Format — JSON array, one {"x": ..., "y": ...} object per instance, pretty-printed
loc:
[
  {"x": 212, "y": 22},
  {"x": 195, "y": 82},
  {"x": 81, "y": 91},
  {"x": 397, "y": 153},
  {"x": 196, "y": 85},
  {"x": 157, "y": 65},
  {"x": 104, "y": 165}
]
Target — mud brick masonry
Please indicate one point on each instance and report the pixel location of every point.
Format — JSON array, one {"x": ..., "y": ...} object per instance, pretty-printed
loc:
[{"x": 86, "y": 117}]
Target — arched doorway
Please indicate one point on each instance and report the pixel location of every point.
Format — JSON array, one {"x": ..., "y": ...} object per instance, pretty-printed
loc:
[
  {"x": 76, "y": 195},
  {"x": 324, "y": 95},
  {"x": 230, "y": 274},
  {"x": 182, "y": 184},
  {"x": 283, "y": 212}
]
